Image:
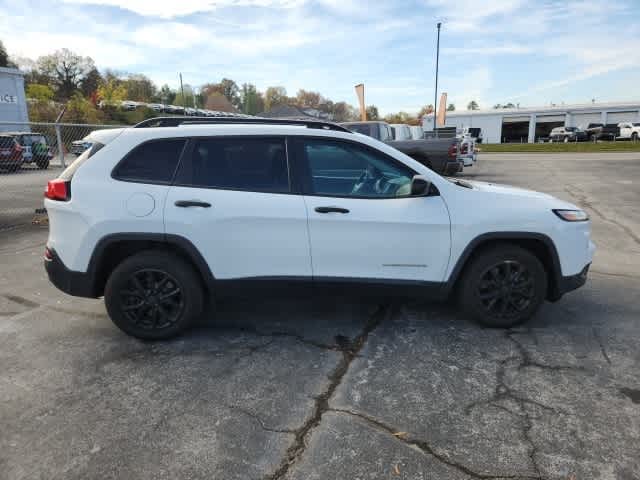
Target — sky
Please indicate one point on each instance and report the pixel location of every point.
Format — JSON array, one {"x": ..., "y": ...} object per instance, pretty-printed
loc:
[{"x": 528, "y": 52}]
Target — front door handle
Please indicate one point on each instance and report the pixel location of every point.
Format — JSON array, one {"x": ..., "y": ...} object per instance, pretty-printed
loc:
[
  {"x": 192, "y": 203},
  {"x": 331, "y": 209}
]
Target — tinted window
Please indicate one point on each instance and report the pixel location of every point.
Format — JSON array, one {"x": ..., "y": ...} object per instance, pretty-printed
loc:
[
  {"x": 346, "y": 169},
  {"x": 153, "y": 162},
  {"x": 363, "y": 128},
  {"x": 251, "y": 164},
  {"x": 6, "y": 142}
]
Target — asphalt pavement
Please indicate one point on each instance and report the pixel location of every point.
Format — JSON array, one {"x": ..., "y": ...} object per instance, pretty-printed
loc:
[{"x": 317, "y": 388}]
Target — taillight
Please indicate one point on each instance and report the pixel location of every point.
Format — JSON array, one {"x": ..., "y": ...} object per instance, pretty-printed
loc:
[
  {"x": 453, "y": 150},
  {"x": 58, "y": 189}
]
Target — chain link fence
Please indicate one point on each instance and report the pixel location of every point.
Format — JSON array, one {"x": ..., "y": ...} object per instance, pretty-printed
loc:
[{"x": 30, "y": 155}]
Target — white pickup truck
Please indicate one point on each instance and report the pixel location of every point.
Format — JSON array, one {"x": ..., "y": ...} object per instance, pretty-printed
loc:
[{"x": 629, "y": 130}]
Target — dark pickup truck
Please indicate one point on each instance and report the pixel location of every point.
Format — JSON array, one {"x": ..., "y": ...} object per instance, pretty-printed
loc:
[
  {"x": 600, "y": 131},
  {"x": 438, "y": 154}
]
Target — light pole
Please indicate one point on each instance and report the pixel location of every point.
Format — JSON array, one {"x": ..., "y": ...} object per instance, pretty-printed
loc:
[{"x": 435, "y": 96}]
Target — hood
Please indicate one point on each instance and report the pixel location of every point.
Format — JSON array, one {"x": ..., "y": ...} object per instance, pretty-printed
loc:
[{"x": 507, "y": 190}]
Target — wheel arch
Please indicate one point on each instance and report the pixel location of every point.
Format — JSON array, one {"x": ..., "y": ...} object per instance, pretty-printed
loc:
[
  {"x": 111, "y": 250},
  {"x": 539, "y": 244}
]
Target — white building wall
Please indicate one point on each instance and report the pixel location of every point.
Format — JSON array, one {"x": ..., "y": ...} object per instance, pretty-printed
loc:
[{"x": 491, "y": 125}]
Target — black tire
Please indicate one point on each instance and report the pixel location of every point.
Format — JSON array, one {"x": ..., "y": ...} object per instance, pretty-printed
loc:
[
  {"x": 42, "y": 163},
  {"x": 14, "y": 167},
  {"x": 166, "y": 288},
  {"x": 503, "y": 286},
  {"x": 634, "y": 137}
]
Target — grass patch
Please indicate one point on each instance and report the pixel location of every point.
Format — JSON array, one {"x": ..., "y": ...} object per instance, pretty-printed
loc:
[{"x": 581, "y": 147}]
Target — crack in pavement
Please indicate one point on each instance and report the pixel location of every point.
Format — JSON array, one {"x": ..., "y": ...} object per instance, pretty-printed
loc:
[
  {"x": 349, "y": 353},
  {"x": 603, "y": 351},
  {"x": 260, "y": 422},
  {"x": 255, "y": 331},
  {"x": 424, "y": 447},
  {"x": 504, "y": 392}
]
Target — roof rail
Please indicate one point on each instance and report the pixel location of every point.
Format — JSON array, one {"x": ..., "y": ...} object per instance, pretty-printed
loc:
[{"x": 179, "y": 120}]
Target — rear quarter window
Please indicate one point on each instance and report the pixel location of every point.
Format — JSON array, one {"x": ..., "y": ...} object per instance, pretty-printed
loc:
[
  {"x": 152, "y": 162},
  {"x": 68, "y": 173}
]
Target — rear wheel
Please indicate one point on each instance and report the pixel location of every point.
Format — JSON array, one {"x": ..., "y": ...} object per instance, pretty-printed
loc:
[
  {"x": 153, "y": 295},
  {"x": 634, "y": 136},
  {"x": 503, "y": 286}
]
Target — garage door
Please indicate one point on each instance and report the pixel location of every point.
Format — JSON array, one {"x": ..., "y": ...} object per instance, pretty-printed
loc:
[
  {"x": 584, "y": 119},
  {"x": 550, "y": 118},
  {"x": 618, "y": 117}
]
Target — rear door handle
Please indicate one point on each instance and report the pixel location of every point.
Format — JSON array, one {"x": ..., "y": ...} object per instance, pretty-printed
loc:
[
  {"x": 331, "y": 209},
  {"x": 192, "y": 203}
]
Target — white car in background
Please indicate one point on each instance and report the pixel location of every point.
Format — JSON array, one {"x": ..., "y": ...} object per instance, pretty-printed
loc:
[
  {"x": 417, "y": 133},
  {"x": 629, "y": 130},
  {"x": 401, "y": 131}
]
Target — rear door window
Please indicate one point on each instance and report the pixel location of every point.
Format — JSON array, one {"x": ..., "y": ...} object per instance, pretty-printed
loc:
[
  {"x": 151, "y": 162},
  {"x": 237, "y": 163}
]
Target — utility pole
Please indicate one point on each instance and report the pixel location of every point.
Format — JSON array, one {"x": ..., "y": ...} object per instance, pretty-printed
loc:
[
  {"x": 435, "y": 96},
  {"x": 184, "y": 104}
]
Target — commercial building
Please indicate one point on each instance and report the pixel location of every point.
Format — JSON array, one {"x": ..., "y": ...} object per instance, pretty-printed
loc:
[
  {"x": 13, "y": 105},
  {"x": 524, "y": 125}
]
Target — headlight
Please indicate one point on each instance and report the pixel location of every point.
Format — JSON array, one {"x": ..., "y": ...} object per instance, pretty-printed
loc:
[{"x": 572, "y": 215}]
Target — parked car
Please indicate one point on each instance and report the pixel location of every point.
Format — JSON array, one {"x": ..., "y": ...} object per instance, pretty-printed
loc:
[
  {"x": 417, "y": 133},
  {"x": 10, "y": 153},
  {"x": 438, "y": 154},
  {"x": 213, "y": 210},
  {"x": 600, "y": 131},
  {"x": 80, "y": 146},
  {"x": 568, "y": 134},
  {"x": 129, "y": 105},
  {"x": 467, "y": 153},
  {"x": 629, "y": 131},
  {"x": 157, "y": 107},
  {"x": 35, "y": 148},
  {"x": 401, "y": 131}
]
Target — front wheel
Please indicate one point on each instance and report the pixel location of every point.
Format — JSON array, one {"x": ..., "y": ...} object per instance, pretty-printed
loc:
[
  {"x": 634, "y": 137},
  {"x": 503, "y": 286},
  {"x": 153, "y": 295},
  {"x": 566, "y": 139}
]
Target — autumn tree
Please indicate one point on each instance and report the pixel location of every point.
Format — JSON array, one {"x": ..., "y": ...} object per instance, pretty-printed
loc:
[
  {"x": 91, "y": 82},
  {"x": 166, "y": 95},
  {"x": 65, "y": 71},
  {"x": 275, "y": 96},
  {"x": 41, "y": 93},
  {"x": 140, "y": 88},
  {"x": 227, "y": 88},
  {"x": 306, "y": 98},
  {"x": 112, "y": 92},
  {"x": 218, "y": 102},
  {"x": 81, "y": 110},
  {"x": 372, "y": 113}
]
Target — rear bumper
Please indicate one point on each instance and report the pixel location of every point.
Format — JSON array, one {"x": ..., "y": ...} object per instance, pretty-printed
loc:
[{"x": 78, "y": 284}]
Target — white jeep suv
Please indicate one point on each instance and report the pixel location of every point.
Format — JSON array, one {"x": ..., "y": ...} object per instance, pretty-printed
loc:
[{"x": 160, "y": 219}]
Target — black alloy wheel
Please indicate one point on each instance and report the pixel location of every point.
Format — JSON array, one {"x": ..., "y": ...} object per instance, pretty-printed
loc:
[
  {"x": 152, "y": 299},
  {"x": 506, "y": 289}
]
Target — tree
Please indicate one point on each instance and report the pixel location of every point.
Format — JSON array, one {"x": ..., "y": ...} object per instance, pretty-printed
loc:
[
  {"x": 306, "y": 98},
  {"x": 140, "y": 88},
  {"x": 451, "y": 107},
  {"x": 5, "y": 61},
  {"x": 188, "y": 99},
  {"x": 42, "y": 93},
  {"x": 65, "y": 71},
  {"x": 166, "y": 95},
  {"x": 112, "y": 92},
  {"x": 226, "y": 87},
  {"x": 509, "y": 105},
  {"x": 473, "y": 105},
  {"x": 81, "y": 110},
  {"x": 426, "y": 110},
  {"x": 218, "y": 102},
  {"x": 91, "y": 82},
  {"x": 251, "y": 99},
  {"x": 372, "y": 113},
  {"x": 342, "y": 112},
  {"x": 275, "y": 96}
]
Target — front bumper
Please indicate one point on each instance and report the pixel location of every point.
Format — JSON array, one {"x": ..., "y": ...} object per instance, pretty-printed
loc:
[
  {"x": 78, "y": 284},
  {"x": 570, "y": 283}
]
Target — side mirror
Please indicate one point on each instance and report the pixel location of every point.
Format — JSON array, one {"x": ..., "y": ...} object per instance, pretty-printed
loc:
[{"x": 420, "y": 186}]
